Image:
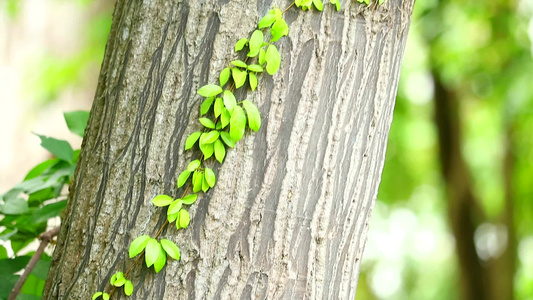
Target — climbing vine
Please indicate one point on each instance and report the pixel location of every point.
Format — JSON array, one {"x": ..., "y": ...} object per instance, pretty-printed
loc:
[{"x": 224, "y": 120}]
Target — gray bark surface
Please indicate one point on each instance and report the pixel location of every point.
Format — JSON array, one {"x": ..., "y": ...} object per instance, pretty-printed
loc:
[{"x": 289, "y": 214}]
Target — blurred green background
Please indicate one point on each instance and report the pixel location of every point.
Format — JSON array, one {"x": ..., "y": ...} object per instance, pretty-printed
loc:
[{"x": 454, "y": 216}]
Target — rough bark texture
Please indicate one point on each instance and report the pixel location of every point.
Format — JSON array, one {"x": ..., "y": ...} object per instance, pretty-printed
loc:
[{"x": 289, "y": 214}]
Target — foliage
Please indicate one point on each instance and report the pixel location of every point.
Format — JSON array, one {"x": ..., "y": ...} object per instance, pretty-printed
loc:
[{"x": 26, "y": 208}]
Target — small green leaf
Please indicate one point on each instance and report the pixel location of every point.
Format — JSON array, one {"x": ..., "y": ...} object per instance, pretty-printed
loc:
[
  {"x": 239, "y": 77},
  {"x": 152, "y": 252},
  {"x": 77, "y": 121},
  {"x": 255, "y": 43},
  {"x": 240, "y": 44},
  {"x": 171, "y": 249},
  {"x": 279, "y": 29},
  {"x": 220, "y": 150},
  {"x": 252, "y": 79},
  {"x": 229, "y": 101},
  {"x": 209, "y": 137},
  {"x": 120, "y": 282},
  {"x": 183, "y": 178},
  {"x": 115, "y": 279},
  {"x": 171, "y": 218},
  {"x": 225, "y": 117},
  {"x": 205, "y": 186},
  {"x": 337, "y": 4},
  {"x": 318, "y": 4},
  {"x": 138, "y": 245},
  {"x": 60, "y": 148},
  {"x": 174, "y": 207},
  {"x": 254, "y": 117},
  {"x": 162, "y": 200},
  {"x": 255, "y": 68},
  {"x": 227, "y": 139},
  {"x": 197, "y": 185},
  {"x": 206, "y": 105},
  {"x": 193, "y": 165},
  {"x": 270, "y": 18},
  {"x": 207, "y": 150},
  {"x": 210, "y": 177},
  {"x": 273, "y": 59},
  {"x": 210, "y": 90},
  {"x": 239, "y": 63},
  {"x": 219, "y": 105},
  {"x": 262, "y": 56},
  {"x": 237, "y": 124},
  {"x": 207, "y": 123},
  {"x": 184, "y": 218},
  {"x": 96, "y": 295},
  {"x": 191, "y": 140},
  {"x": 128, "y": 288},
  {"x": 224, "y": 76},
  {"x": 189, "y": 199},
  {"x": 161, "y": 261},
  {"x": 105, "y": 296}
]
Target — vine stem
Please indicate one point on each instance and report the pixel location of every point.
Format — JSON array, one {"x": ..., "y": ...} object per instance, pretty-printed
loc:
[{"x": 139, "y": 257}]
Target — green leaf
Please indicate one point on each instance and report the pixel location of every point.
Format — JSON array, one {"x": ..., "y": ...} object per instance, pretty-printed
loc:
[
  {"x": 189, "y": 199},
  {"x": 318, "y": 4},
  {"x": 256, "y": 41},
  {"x": 220, "y": 150},
  {"x": 175, "y": 207},
  {"x": 273, "y": 59},
  {"x": 239, "y": 77},
  {"x": 229, "y": 101},
  {"x": 227, "y": 139},
  {"x": 193, "y": 165},
  {"x": 262, "y": 56},
  {"x": 184, "y": 218},
  {"x": 162, "y": 200},
  {"x": 206, "y": 105},
  {"x": 205, "y": 186},
  {"x": 252, "y": 78},
  {"x": 183, "y": 178},
  {"x": 254, "y": 117},
  {"x": 279, "y": 29},
  {"x": 237, "y": 124},
  {"x": 105, "y": 296},
  {"x": 209, "y": 137},
  {"x": 239, "y": 63},
  {"x": 270, "y": 18},
  {"x": 77, "y": 121},
  {"x": 41, "y": 168},
  {"x": 15, "y": 206},
  {"x": 255, "y": 68},
  {"x": 171, "y": 249},
  {"x": 225, "y": 117},
  {"x": 138, "y": 245},
  {"x": 197, "y": 186},
  {"x": 207, "y": 150},
  {"x": 210, "y": 90},
  {"x": 210, "y": 177},
  {"x": 240, "y": 44},
  {"x": 118, "y": 279},
  {"x": 219, "y": 105},
  {"x": 207, "y": 123},
  {"x": 47, "y": 212},
  {"x": 152, "y": 252},
  {"x": 128, "y": 288},
  {"x": 191, "y": 140},
  {"x": 60, "y": 148},
  {"x": 159, "y": 264},
  {"x": 96, "y": 295},
  {"x": 224, "y": 76},
  {"x": 172, "y": 217}
]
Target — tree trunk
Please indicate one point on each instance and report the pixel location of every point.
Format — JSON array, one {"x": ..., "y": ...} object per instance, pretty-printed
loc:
[{"x": 289, "y": 214}]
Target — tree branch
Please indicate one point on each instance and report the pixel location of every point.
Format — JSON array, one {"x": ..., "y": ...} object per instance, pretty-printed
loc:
[{"x": 45, "y": 238}]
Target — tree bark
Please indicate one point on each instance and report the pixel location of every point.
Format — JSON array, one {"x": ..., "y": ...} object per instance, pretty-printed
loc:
[{"x": 289, "y": 214}]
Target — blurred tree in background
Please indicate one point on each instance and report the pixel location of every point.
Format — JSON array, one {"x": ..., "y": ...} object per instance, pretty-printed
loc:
[{"x": 454, "y": 218}]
